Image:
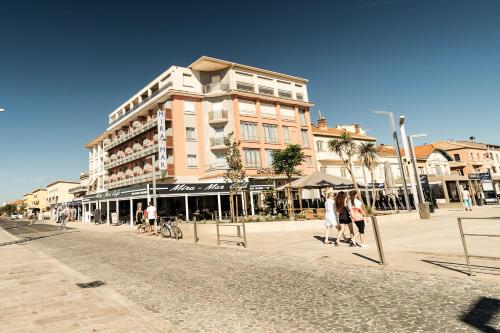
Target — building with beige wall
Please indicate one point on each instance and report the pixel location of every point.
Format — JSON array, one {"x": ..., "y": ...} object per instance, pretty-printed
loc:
[
  {"x": 38, "y": 201},
  {"x": 202, "y": 103},
  {"x": 58, "y": 192}
]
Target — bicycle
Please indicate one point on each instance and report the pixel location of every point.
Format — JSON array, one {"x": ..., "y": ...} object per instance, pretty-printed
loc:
[{"x": 169, "y": 227}]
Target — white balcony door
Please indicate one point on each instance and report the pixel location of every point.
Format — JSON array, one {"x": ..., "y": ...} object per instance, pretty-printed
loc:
[
  {"x": 215, "y": 79},
  {"x": 217, "y": 106}
]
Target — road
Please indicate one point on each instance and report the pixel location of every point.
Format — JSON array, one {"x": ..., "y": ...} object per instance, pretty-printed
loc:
[{"x": 203, "y": 288}]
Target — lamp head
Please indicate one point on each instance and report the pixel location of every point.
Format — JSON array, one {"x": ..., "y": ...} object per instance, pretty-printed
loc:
[{"x": 401, "y": 120}]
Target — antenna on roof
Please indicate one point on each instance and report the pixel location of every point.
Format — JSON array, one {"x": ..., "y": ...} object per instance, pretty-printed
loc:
[{"x": 472, "y": 138}]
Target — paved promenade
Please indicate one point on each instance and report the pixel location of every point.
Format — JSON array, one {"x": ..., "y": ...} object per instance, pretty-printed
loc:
[
  {"x": 39, "y": 294},
  {"x": 205, "y": 288}
]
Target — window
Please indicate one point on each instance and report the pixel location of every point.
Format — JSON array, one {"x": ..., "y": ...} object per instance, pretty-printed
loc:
[
  {"x": 299, "y": 96},
  {"x": 270, "y": 133},
  {"x": 456, "y": 157},
  {"x": 219, "y": 132},
  {"x": 343, "y": 172},
  {"x": 266, "y": 91},
  {"x": 305, "y": 140},
  {"x": 189, "y": 107},
  {"x": 249, "y": 131},
  {"x": 302, "y": 116},
  {"x": 285, "y": 93},
  {"x": 190, "y": 133},
  {"x": 220, "y": 158},
  {"x": 192, "y": 161},
  {"x": 287, "y": 112},
  {"x": 286, "y": 134},
  {"x": 244, "y": 86},
  {"x": 247, "y": 107},
  {"x": 243, "y": 74},
  {"x": 251, "y": 158},
  {"x": 268, "y": 110},
  {"x": 319, "y": 146},
  {"x": 308, "y": 160},
  {"x": 187, "y": 80},
  {"x": 269, "y": 157}
]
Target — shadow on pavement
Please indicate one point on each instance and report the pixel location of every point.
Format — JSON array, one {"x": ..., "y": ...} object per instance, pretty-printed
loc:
[
  {"x": 481, "y": 313},
  {"x": 462, "y": 268},
  {"x": 365, "y": 257},
  {"x": 30, "y": 239}
]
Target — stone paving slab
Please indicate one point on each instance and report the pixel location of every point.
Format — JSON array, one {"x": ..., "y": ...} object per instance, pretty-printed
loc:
[{"x": 39, "y": 294}]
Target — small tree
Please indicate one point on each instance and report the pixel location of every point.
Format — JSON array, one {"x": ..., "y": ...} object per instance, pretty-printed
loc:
[
  {"x": 285, "y": 162},
  {"x": 368, "y": 154},
  {"x": 346, "y": 149},
  {"x": 235, "y": 172}
]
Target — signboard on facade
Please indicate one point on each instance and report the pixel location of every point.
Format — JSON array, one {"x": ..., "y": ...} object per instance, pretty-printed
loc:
[{"x": 162, "y": 143}]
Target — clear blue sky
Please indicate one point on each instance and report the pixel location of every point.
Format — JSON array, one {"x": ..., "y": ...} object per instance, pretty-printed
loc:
[{"x": 64, "y": 65}]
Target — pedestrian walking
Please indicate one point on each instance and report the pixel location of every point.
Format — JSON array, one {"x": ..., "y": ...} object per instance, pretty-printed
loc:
[
  {"x": 344, "y": 218},
  {"x": 151, "y": 211},
  {"x": 139, "y": 216},
  {"x": 358, "y": 214},
  {"x": 467, "y": 199},
  {"x": 330, "y": 217},
  {"x": 64, "y": 213}
]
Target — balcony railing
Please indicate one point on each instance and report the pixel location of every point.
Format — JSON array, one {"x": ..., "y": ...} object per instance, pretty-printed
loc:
[
  {"x": 218, "y": 142},
  {"x": 271, "y": 140},
  {"x": 266, "y": 91},
  {"x": 141, "y": 103},
  {"x": 216, "y": 166},
  {"x": 132, "y": 157},
  {"x": 250, "y": 138},
  {"x": 218, "y": 116},
  {"x": 285, "y": 93},
  {"x": 130, "y": 135},
  {"x": 215, "y": 87},
  {"x": 245, "y": 86},
  {"x": 137, "y": 179}
]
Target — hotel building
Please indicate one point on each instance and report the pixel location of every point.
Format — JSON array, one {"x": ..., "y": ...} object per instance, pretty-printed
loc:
[{"x": 202, "y": 104}]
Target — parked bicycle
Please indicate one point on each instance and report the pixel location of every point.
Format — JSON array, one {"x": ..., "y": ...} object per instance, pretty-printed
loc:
[{"x": 169, "y": 228}]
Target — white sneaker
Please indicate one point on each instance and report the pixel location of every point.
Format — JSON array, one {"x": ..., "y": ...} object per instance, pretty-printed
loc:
[{"x": 364, "y": 245}]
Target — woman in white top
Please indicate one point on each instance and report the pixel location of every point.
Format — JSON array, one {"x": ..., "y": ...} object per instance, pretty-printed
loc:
[
  {"x": 330, "y": 216},
  {"x": 358, "y": 217}
]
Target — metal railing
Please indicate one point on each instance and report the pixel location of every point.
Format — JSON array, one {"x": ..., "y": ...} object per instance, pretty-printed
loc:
[
  {"x": 132, "y": 134},
  {"x": 134, "y": 156},
  {"x": 462, "y": 235},
  {"x": 245, "y": 86},
  {"x": 221, "y": 115},
  {"x": 212, "y": 87},
  {"x": 217, "y": 141},
  {"x": 216, "y": 166}
]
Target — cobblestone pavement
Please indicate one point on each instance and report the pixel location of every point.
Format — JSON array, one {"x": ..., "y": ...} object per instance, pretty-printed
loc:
[{"x": 208, "y": 289}]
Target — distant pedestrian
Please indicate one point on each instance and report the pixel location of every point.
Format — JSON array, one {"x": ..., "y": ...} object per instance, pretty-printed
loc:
[
  {"x": 64, "y": 213},
  {"x": 467, "y": 199},
  {"x": 330, "y": 217},
  {"x": 344, "y": 217},
  {"x": 151, "y": 211},
  {"x": 358, "y": 217},
  {"x": 139, "y": 216}
]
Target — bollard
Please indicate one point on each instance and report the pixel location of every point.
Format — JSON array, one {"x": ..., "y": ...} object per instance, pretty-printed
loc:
[{"x": 195, "y": 232}]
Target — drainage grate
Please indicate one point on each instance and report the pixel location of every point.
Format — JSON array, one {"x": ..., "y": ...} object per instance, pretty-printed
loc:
[{"x": 92, "y": 284}]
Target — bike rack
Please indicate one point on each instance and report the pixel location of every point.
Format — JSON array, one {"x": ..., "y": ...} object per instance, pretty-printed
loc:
[{"x": 462, "y": 235}]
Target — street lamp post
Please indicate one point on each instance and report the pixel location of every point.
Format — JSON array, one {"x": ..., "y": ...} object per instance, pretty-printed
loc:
[
  {"x": 414, "y": 161},
  {"x": 411, "y": 175},
  {"x": 398, "y": 153}
]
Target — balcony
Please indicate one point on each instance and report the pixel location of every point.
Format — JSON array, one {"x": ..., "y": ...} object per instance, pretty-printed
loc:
[
  {"x": 139, "y": 178},
  {"x": 271, "y": 140},
  {"x": 266, "y": 91},
  {"x": 285, "y": 94},
  {"x": 245, "y": 86},
  {"x": 218, "y": 143},
  {"x": 250, "y": 138},
  {"x": 140, "y": 153},
  {"x": 215, "y": 87},
  {"x": 218, "y": 117},
  {"x": 141, "y": 103},
  {"x": 130, "y": 135},
  {"x": 219, "y": 166}
]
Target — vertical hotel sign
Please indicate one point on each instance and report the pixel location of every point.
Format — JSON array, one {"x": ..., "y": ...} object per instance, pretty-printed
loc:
[{"x": 162, "y": 141}]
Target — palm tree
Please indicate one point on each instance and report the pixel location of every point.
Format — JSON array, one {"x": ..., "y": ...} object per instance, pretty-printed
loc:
[
  {"x": 345, "y": 147},
  {"x": 368, "y": 154},
  {"x": 285, "y": 162}
]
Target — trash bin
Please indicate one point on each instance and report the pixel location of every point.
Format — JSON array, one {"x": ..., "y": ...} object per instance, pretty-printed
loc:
[{"x": 424, "y": 210}]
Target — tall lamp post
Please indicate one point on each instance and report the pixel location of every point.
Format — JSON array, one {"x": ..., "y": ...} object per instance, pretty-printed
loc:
[
  {"x": 414, "y": 161},
  {"x": 411, "y": 175},
  {"x": 398, "y": 152}
]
